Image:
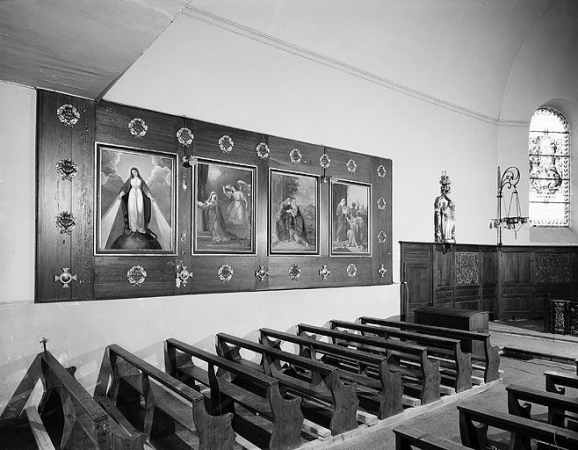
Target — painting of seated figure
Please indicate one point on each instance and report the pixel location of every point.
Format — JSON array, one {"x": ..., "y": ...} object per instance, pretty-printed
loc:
[
  {"x": 223, "y": 213},
  {"x": 293, "y": 213}
]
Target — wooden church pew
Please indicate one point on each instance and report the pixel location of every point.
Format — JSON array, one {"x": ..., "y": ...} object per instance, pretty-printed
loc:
[
  {"x": 455, "y": 366},
  {"x": 475, "y": 420},
  {"x": 284, "y": 414},
  {"x": 67, "y": 411},
  {"x": 327, "y": 399},
  {"x": 167, "y": 402},
  {"x": 408, "y": 438},
  {"x": 489, "y": 364},
  {"x": 423, "y": 377},
  {"x": 558, "y": 381},
  {"x": 380, "y": 395},
  {"x": 558, "y": 405}
]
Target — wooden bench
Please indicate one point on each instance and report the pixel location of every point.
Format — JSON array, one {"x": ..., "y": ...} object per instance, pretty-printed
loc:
[
  {"x": 75, "y": 417},
  {"x": 474, "y": 423},
  {"x": 167, "y": 402},
  {"x": 327, "y": 399},
  {"x": 408, "y": 438},
  {"x": 489, "y": 364},
  {"x": 380, "y": 395},
  {"x": 558, "y": 381},
  {"x": 423, "y": 378},
  {"x": 558, "y": 405},
  {"x": 284, "y": 414},
  {"x": 455, "y": 366}
]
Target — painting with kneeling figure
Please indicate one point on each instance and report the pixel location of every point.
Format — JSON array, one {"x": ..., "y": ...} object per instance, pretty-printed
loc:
[
  {"x": 293, "y": 213},
  {"x": 224, "y": 208},
  {"x": 135, "y": 201},
  {"x": 350, "y": 218}
]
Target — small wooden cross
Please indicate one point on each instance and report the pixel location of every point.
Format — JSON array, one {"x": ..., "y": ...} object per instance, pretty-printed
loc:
[{"x": 43, "y": 341}]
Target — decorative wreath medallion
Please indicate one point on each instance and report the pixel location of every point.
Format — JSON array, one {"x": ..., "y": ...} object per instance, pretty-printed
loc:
[
  {"x": 381, "y": 203},
  {"x": 382, "y": 271},
  {"x": 324, "y": 272},
  {"x": 225, "y": 273},
  {"x": 351, "y": 166},
  {"x": 136, "y": 275},
  {"x": 226, "y": 144},
  {"x": 65, "y": 277},
  {"x": 381, "y": 237},
  {"x": 351, "y": 270},
  {"x": 381, "y": 171},
  {"x": 185, "y": 136},
  {"x": 294, "y": 272},
  {"x": 324, "y": 161},
  {"x": 65, "y": 222},
  {"x": 295, "y": 156},
  {"x": 183, "y": 275},
  {"x": 262, "y": 273},
  {"x": 138, "y": 128},
  {"x": 262, "y": 151},
  {"x": 66, "y": 169},
  {"x": 68, "y": 115}
]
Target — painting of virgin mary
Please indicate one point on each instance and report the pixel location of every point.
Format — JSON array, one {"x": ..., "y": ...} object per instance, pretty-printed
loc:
[{"x": 136, "y": 211}]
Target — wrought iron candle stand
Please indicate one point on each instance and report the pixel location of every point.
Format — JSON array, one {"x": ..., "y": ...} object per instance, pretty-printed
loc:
[{"x": 510, "y": 179}]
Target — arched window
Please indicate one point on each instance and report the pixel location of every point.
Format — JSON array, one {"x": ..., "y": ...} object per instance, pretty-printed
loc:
[{"x": 549, "y": 155}]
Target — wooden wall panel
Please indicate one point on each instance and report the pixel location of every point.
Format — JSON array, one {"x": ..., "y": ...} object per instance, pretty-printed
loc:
[
  {"x": 56, "y": 251},
  {"x": 104, "y": 276}
]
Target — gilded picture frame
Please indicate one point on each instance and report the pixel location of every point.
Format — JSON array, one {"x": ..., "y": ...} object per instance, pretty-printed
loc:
[
  {"x": 135, "y": 205},
  {"x": 224, "y": 208},
  {"x": 293, "y": 213},
  {"x": 350, "y": 218}
]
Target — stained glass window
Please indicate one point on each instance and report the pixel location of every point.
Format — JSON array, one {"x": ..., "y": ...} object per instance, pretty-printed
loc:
[{"x": 549, "y": 156}]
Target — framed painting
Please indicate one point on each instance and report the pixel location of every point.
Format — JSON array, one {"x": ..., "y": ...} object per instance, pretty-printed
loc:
[
  {"x": 223, "y": 218},
  {"x": 350, "y": 218},
  {"x": 135, "y": 201},
  {"x": 293, "y": 213}
]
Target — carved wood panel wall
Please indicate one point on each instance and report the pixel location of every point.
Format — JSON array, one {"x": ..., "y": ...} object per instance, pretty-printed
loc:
[
  {"x": 77, "y": 257},
  {"x": 509, "y": 281}
]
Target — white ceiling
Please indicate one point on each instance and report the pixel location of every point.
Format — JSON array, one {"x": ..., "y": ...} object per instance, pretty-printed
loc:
[{"x": 438, "y": 50}]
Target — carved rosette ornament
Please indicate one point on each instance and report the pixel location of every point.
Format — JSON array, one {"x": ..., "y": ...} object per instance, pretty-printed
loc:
[
  {"x": 66, "y": 169},
  {"x": 467, "y": 267},
  {"x": 65, "y": 278},
  {"x": 65, "y": 222},
  {"x": 294, "y": 272},
  {"x": 381, "y": 171},
  {"x": 351, "y": 270},
  {"x": 225, "y": 273},
  {"x": 185, "y": 137},
  {"x": 324, "y": 161},
  {"x": 351, "y": 166},
  {"x": 68, "y": 115},
  {"x": 295, "y": 156},
  {"x": 381, "y": 204},
  {"x": 382, "y": 271},
  {"x": 183, "y": 274},
  {"x": 138, "y": 128},
  {"x": 261, "y": 273},
  {"x": 136, "y": 275},
  {"x": 381, "y": 237},
  {"x": 324, "y": 272},
  {"x": 226, "y": 144},
  {"x": 262, "y": 151}
]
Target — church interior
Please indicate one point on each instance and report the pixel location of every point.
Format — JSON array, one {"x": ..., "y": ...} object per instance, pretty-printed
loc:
[{"x": 322, "y": 229}]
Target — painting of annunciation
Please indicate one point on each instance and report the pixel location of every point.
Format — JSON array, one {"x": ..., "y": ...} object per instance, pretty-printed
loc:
[
  {"x": 224, "y": 208},
  {"x": 135, "y": 201},
  {"x": 293, "y": 213}
]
